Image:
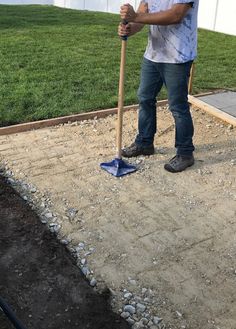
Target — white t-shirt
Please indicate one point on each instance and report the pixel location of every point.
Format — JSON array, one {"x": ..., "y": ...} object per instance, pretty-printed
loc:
[{"x": 172, "y": 43}]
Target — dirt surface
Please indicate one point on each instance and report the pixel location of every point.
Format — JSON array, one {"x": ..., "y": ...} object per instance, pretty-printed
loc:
[
  {"x": 165, "y": 241},
  {"x": 39, "y": 278}
]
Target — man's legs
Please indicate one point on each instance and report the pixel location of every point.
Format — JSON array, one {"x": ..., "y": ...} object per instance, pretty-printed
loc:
[
  {"x": 151, "y": 83},
  {"x": 176, "y": 78}
]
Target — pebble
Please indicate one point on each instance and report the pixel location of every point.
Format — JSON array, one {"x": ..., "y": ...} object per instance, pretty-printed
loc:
[
  {"x": 125, "y": 315},
  {"x": 157, "y": 320},
  {"x": 56, "y": 228},
  {"x": 133, "y": 282},
  {"x": 71, "y": 212},
  {"x": 204, "y": 172},
  {"x": 88, "y": 253},
  {"x": 65, "y": 242},
  {"x": 48, "y": 215},
  {"x": 81, "y": 245},
  {"x": 93, "y": 282},
  {"x": 130, "y": 309},
  {"x": 137, "y": 299},
  {"x": 144, "y": 321},
  {"x": 85, "y": 270},
  {"x": 144, "y": 290},
  {"x": 146, "y": 315},
  {"x": 78, "y": 250},
  {"x": 9, "y": 173},
  {"x": 83, "y": 261},
  {"x": 11, "y": 181},
  {"x": 130, "y": 321},
  {"x": 179, "y": 314},
  {"x": 140, "y": 308},
  {"x": 128, "y": 295},
  {"x": 51, "y": 229},
  {"x": 138, "y": 325}
]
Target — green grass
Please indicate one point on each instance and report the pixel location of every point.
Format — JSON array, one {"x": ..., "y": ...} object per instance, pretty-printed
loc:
[{"x": 57, "y": 62}]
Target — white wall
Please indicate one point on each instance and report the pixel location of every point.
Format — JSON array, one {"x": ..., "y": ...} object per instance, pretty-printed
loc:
[
  {"x": 226, "y": 17},
  {"x": 27, "y": 2},
  {"x": 207, "y": 14},
  {"x": 111, "y": 6},
  {"x": 218, "y": 15},
  {"x": 215, "y": 15}
]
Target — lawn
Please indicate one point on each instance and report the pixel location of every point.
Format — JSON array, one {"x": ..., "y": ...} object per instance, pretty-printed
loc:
[{"x": 58, "y": 61}]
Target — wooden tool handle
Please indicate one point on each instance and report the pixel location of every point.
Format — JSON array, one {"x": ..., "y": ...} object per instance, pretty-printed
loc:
[
  {"x": 121, "y": 97},
  {"x": 190, "y": 83}
]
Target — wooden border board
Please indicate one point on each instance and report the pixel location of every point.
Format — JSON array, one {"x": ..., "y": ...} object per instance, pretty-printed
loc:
[
  {"x": 212, "y": 110},
  {"x": 14, "y": 129}
]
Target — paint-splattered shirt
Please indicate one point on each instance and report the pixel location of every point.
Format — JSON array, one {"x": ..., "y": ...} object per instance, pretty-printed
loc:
[{"x": 172, "y": 43}]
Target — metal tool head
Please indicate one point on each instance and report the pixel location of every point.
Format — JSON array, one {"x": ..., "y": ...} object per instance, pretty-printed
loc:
[{"x": 118, "y": 167}]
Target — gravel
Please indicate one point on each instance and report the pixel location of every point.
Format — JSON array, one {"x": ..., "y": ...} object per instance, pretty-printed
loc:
[{"x": 135, "y": 308}]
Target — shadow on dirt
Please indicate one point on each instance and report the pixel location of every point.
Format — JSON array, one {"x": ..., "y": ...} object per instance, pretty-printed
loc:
[{"x": 38, "y": 277}]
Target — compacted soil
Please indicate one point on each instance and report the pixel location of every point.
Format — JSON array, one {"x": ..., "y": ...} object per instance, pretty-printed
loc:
[{"x": 163, "y": 244}]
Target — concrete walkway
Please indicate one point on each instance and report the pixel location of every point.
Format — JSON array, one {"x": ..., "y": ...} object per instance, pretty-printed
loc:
[{"x": 224, "y": 101}]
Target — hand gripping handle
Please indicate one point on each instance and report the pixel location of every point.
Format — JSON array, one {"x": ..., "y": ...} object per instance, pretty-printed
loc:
[{"x": 124, "y": 37}]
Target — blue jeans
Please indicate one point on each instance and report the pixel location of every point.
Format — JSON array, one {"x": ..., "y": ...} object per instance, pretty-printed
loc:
[{"x": 175, "y": 78}]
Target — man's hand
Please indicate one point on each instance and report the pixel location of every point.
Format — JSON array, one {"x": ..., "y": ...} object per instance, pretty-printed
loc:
[
  {"x": 127, "y": 13},
  {"x": 131, "y": 28},
  {"x": 124, "y": 30}
]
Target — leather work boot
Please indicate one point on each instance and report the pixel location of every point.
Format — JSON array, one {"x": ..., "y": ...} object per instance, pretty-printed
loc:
[
  {"x": 134, "y": 150},
  {"x": 179, "y": 163}
]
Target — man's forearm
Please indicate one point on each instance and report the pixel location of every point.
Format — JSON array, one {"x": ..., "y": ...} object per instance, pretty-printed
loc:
[
  {"x": 167, "y": 17},
  {"x": 174, "y": 15},
  {"x": 136, "y": 27}
]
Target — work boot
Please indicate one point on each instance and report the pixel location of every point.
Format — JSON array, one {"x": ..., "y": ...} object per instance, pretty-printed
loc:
[
  {"x": 179, "y": 163},
  {"x": 134, "y": 150}
]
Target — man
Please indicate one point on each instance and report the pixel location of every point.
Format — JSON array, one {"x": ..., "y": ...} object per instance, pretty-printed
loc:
[{"x": 171, "y": 49}]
